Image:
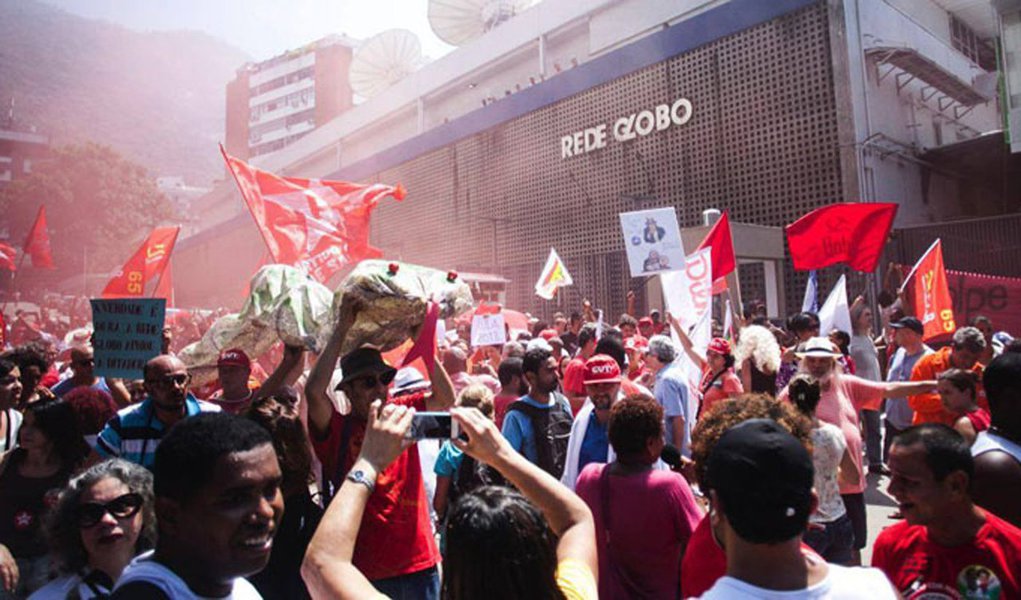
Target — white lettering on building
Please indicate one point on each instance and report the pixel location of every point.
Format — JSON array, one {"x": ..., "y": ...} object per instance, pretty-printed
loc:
[{"x": 626, "y": 128}]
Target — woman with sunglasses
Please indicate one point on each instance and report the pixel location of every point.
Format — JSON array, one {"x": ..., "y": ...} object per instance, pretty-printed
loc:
[
  {"x": 103, "y": 519},
  {"x": 31, "y": 476}
]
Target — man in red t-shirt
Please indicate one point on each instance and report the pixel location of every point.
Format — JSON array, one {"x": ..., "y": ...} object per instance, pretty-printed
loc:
[
  {"x": 574, "y": 373},
  {"x": 395, "y": 547},
  {"x": 946, "y": 546}
]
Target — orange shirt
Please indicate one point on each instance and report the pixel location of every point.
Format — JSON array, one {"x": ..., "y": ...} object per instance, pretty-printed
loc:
[{"x": 929, "y": 407}]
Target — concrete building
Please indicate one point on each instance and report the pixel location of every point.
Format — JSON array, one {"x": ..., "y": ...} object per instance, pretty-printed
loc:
[
  {"x": 541, "y": 131},
  {"x": 275, "y": 102}
]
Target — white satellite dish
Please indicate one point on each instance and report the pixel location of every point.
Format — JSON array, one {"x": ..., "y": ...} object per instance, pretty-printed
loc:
[
  {"x": 458, "y": 22},
  {"x": 383, "y": 60}
]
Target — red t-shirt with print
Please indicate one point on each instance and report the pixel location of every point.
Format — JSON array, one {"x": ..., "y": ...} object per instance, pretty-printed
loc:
[
  {"x": 989, "y": 567},
  {"x": 396, "y": 535}
]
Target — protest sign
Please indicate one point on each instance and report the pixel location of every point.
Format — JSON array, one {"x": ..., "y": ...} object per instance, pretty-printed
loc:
[
  {"x": 129, "y": 332},
  {"x": 488, "y": 330},
  {"x": 653, "y": 241}
]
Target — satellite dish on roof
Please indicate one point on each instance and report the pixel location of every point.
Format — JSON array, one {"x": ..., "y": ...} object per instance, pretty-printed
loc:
[
  {"x": 383, "y": 60},
  {"x": 458, "y": 22}
]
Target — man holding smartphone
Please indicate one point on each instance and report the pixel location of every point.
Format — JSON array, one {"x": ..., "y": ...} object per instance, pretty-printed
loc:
[{"x": 396, "y": 549}]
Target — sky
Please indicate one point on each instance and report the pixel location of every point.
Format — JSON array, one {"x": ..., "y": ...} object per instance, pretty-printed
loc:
[{"x": 266, "y": 28}]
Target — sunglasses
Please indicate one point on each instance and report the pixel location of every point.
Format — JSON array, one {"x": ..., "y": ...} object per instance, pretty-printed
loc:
[
  {"x": 121, "y": 507},
  {"x": 372, "y": 381},
  {"x": 178, "y": 379}
]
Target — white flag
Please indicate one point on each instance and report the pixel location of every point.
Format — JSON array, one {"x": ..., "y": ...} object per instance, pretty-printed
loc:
[
  {"x": 554, "y": 275},
  {"x": 835, "y": 312},
  {"x": 811, "y": 301}
]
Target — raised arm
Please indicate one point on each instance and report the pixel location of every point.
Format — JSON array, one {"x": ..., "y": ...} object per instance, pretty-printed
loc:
[
  {"x": 442, "y": 396},
  {"x": 285, "y": 373},
  {"x": 320, "y": 408},
  {"x": 566, "y": 513},
  {"x": 689, "y": 348}
]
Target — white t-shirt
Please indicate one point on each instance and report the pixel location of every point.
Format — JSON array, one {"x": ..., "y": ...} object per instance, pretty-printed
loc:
[
  {"x": 987, "y": 442},
  {"x": 143, "y": 568},
  {"x": 841, "y": 583},
  {"x": 828, "y": 447}
]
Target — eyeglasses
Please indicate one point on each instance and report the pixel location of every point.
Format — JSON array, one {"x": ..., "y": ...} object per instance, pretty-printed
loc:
[
  {"x": 121, "y": 507},
  {"x": 170, "y": 380},
  {"x": 372, "y": 381}
]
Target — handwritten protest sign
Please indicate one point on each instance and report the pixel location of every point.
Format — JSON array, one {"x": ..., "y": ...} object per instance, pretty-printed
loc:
[
  {"x": 128, "y": 333},
  {"x": 488, "y": 330}
]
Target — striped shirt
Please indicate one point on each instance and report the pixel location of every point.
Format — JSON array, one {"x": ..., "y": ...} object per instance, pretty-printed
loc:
[{"x": 135, "y": 432}]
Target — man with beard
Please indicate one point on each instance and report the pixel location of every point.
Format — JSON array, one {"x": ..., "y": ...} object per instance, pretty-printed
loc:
[
  {"x": 589, "y": 441},
  {"x": 842, "y": 397},
  {"x": 539, "y": 424},
  {"x": 512, "y": 387},
  {"x": 136, "y": 431}
]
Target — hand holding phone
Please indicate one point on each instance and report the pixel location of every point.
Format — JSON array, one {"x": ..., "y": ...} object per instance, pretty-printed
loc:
[{"x": 432, "y": 426}]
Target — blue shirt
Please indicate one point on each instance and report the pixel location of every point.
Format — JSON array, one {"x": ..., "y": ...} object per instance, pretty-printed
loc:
[
  {"x": 517, "y": 427},
  {"x": 63, "y": 387},
  {"x": 134, "y": 432},
  {"x": 448, "y": 461},
  {"x": 595, "y": 446},
  {"x": 671, "y": 391},
  {"x": 898, "y": 411}
]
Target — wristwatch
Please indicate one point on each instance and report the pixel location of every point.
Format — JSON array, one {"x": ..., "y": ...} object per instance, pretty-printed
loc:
[{"x": 361, "y": 477}]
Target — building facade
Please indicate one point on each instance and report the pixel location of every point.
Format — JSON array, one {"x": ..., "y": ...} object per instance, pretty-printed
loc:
[{"x": 539, "y": 133}]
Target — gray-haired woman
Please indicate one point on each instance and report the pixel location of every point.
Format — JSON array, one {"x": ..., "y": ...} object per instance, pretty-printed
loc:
[{"x": 103, "y": 519}]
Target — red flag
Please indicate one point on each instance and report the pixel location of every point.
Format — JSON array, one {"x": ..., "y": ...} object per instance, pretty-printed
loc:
[
  {"x": 931, "y": 294},
  {"x": 37, "y": 244},
  {"x": 146, "y": 264},
  {"x": 425, "y": 345},
  {"x": 722, "y": 256},
  {"x": 317, "y": 226},
  {"x": 852, "y": 233},
  {"x": 7, "y": 256},
  {"x": 165, "y": 285}
]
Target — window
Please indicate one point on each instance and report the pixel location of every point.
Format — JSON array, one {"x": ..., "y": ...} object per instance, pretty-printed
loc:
[{"x": 967, "y": 42}]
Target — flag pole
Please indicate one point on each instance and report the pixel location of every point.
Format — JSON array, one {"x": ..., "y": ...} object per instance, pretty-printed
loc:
[{"x": 904, "y": 284}]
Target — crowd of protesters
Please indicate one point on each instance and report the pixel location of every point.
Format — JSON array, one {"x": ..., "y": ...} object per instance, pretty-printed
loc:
[{"x": 589, "y": 463}]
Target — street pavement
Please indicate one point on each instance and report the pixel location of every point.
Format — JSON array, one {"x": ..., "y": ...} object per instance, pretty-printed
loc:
[{"x": 879, "y": 505}]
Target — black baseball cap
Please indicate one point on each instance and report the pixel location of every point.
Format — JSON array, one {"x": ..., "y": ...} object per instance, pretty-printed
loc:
[
  {"x": 366, "y": 361},
  {"x": 909, "y": 323},
  {"x": 763, "y": 478}
]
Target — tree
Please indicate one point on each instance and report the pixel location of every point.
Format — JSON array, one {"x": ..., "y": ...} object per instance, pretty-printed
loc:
[{"x": 97, "y": 203}]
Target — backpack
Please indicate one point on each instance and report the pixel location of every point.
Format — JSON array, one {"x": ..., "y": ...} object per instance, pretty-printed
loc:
[{"x": 552, "y": 429}]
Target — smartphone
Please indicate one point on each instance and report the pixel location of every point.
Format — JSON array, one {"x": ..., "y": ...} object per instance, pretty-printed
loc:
[{"x": 432, "y": 426}]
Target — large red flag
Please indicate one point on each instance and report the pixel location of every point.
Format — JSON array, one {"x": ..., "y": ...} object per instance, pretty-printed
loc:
[
  {"x": 317, "y": 226},
  {"x": 721, "y": 254},
  {"x": 165, "y": 285},
  {"x": 7, "y": 256},
  {"x": 146, "y": 264},
  {"x": 852, "y": 233},
  {"x": 37, "y": 244},
  {"x": 930, "y": 293}
]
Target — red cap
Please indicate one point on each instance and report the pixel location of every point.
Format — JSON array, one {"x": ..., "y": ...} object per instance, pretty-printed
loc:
[
  {"x": 719, "y": 346},
  {"x": 636, "y": 342},
  {"x": 601, "y": 369},
  {"x": 645, "y": 321},
  {"x": 235, "y": 357},
  {"x": 548, "y": 334}
]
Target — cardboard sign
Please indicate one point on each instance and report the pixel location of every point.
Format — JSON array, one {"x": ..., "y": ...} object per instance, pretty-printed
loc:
[
  {"x": 653, "y": 241},
  {"x": 129, "y": 332},
  {"x": 488, "y": 330}
]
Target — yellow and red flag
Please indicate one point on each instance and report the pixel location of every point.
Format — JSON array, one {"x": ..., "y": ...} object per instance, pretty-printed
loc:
[
  {"x": 931, "y": 294},
  {"x": 554, "y": 275}
]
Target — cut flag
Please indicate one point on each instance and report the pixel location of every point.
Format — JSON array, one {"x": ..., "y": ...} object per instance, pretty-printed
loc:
[
  {"x": 165, "y": 285},
  {"x": 145, "y": 265},
  {"x": 316, "y": 226},
  {"x": 835, "y": 312},
  {"x": 723, "y": 260},
  {"x": 37, "y": 244},
  {"x": 7, "y": 256},
  {"x": 554, "y": 275},
  {"x": 931, "y": 294},
  {"x": 853, "y": 233}
]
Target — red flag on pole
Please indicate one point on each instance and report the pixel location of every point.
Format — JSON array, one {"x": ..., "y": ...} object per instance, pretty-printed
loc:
[
  {"x": 931, "y": 294},
  {"x": 7, "y": 256},
  {"x": 37, "y": 244},
  {"x": 317, "y": 226},
  {"x": 146, "y": 264},
  {"x": 721, "y": 254},
  {"x": 852, "y": 233}
]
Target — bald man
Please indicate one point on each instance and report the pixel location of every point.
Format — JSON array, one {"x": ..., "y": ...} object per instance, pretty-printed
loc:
[
  {"x": 136, "y": 431},
  {"x": 83, "y": 375}
]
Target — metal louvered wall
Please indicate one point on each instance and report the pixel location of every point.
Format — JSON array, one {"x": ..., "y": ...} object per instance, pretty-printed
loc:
[{"x": 761, "y": 143}]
